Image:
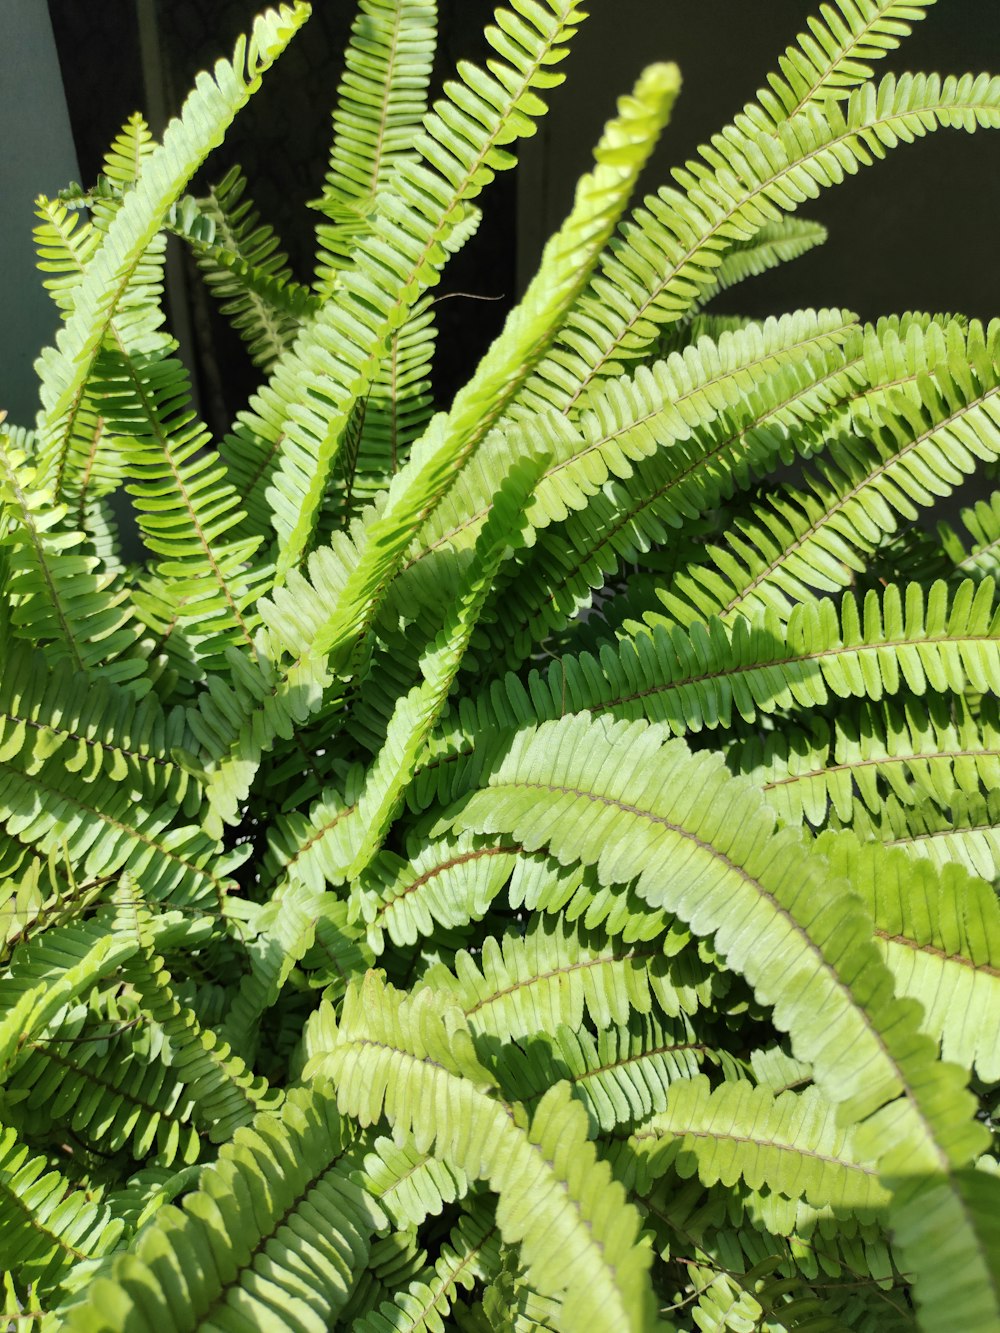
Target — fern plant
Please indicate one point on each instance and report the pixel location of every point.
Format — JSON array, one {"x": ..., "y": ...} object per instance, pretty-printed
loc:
[{"x": 527, "y": 864}]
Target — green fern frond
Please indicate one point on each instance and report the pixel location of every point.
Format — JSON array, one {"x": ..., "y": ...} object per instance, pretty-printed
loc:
[
  {"x": 402, "y": 255},
  {"x": 226, "y": 1094},
  {"x": 206, "y": 114},
  {"x": 410, "y": 1185},
  {"x": 99, "y": 730},
  {"x": 660, "y": 411},
  {"x": 668, "y": 255},
  {"x": 555, "y": 972},
  {"x": 939, "y": 931},
  {"x": 931, "y": 748},
  {"x": 470, "y": 1254},
  {"x": 59, "y": 598},
  {"x": 624, "y": 1075},
  {"x": 818, "y": 537},
  {"x": 775, "y": 243},
  {"x": 66, "y": 243},
  {"x": 830, "y": 59},
  {"x": 187, "y": 507},
  {"x": 577, "y": 1238},
  {"x": 980, "y": 557},
  {"x": 445, "y": 883},
  {"x": 358, "y": 835},
  {"x": 234, "y": 1251},
  {"x": 248, "y": 273},
  {"x": 51, "y": 971},
  {"x": 964, "y": 829},
  {"x": 790, "y": 1144},
  {"x": 109, "y": 1088},
  {"x": 46, "y": 1227},
  {"x": 382, "y": 100}
]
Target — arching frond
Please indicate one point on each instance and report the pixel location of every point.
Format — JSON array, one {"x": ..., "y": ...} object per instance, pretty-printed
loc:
[
  {"x": 577, "y": 1239},
  {"x": 233, "y": 1250},
  {"x": 940, "y": 935},
  {"x": 668, "y": 254},
  {"x": 382, "y": 100},
  {"x": 933, "y": 747},
  {"x": 790, "y": 1143},
  {"x": 201, "y": 125},
  {"x": 58, "y": 598}
]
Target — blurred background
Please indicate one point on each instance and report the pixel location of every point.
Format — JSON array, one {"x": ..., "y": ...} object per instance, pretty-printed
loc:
[{"x": 919, "y": 232}]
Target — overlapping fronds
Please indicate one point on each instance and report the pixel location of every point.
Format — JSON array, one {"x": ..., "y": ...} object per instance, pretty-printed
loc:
[
  {"x": 187, "y": 507},
  {"x": 940, "y": 934},
  {"x": 233, "y": 1251},
  {"x": 745, "y": 179},
  {"x": 452, "y": 437},
  {"x": 59, "y": 597},
  {"x": 459, "y": 154},
  {"x": 935, "y": 746},
  {"x": 577, "y": 1236},
  {"x": 107, "y": 1085},
  {"x": 63, "y": 370},
  {"x": 46, "y": 1228},
  {"x": 246, "y": 270},
  {"x": 818, "y": 537},
  {"x": 343, "y": 847},
  {"x": 522, "y": 866},
  {"x": 790, "y": 1143},
  {"x": 381, "y": 103}
]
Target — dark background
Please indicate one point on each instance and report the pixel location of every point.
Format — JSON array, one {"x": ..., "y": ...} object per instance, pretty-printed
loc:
[{"x": 916, "y": 232}]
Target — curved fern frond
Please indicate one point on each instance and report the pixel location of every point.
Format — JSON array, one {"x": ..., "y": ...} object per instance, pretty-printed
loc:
[
  {"x": 817, "y": 538},
  {"x": 59, "y": 599},
  {"x": 555, "y": 972},
  {"x": 66, "y": 243},
  {"x": 109, "y": 1088},
  {"x": 313, "y": 392},
  {"x": 939, "y": 931},
  {"x": 933, "y": 748},
  {"x": 702, "y": 844},
  {"x": 775, "y": 243},
  {"x": 397, "y": 409},
  {"x": 233, "y": 1252},
  {"x": 410, "y": 1185},
  {"x": 248, "y": 273},
  {"x": 470, "y": 1254},
  {"x": 660, "y": 411},
  {"x": 790, "y": 1144},
  {"x": 46, "y": 1227},
  {"x": 713, "y": 675},
  {"x": 381, "y": 102},
  {"x": 51, "y": 971},
  {"x": 206, "y": 114},
  {"x": 445, "y": 883},
  {"x": 577, "y": 1237},
  {"x": 665, "y": 257},
  {"x": 101, "y": 828},
  {"x": 625, "y": 1074},
  {"x": 831, "y": 58},
  {"x": 186, "y": 504}
]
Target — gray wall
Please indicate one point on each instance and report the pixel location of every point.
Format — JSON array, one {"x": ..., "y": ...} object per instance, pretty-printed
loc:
[{"x": 37, "y": 157}]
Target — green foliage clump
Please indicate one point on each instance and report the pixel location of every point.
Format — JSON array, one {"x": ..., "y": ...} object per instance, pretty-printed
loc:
[{"x": 529, "y": 864}]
